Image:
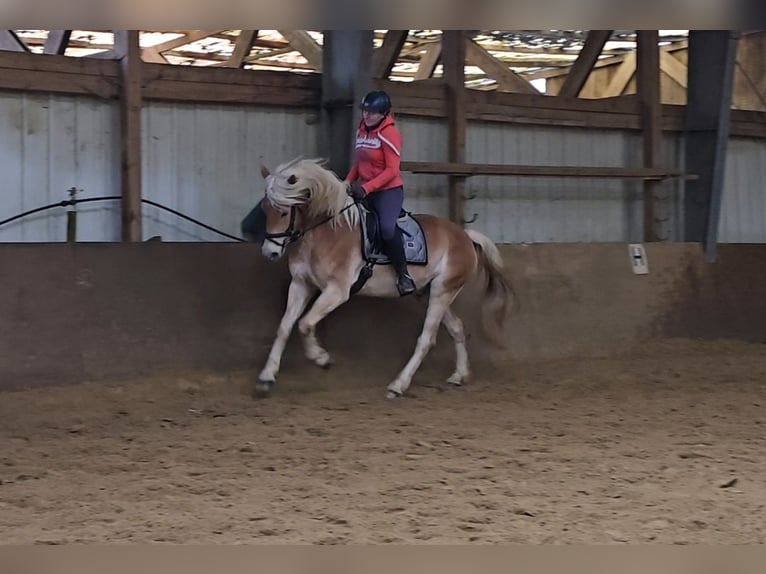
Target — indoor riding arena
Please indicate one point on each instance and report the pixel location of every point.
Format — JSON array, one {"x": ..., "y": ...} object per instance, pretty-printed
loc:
[{"x": 620, "y": 174}]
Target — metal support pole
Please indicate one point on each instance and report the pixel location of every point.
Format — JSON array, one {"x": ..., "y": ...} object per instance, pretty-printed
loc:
[
  {"x": 346, "y": 77},
  {"x": 712, "y": 55}
]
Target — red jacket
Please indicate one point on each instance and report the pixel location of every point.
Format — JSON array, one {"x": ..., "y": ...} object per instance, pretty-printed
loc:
[{"x": 376, "y": 156}]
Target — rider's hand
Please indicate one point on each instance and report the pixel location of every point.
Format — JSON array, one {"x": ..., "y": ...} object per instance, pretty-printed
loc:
[{"x": 356, "y": 191}]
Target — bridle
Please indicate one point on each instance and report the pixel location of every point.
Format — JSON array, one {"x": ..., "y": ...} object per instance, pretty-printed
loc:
[{"x": 291, "y": 235}]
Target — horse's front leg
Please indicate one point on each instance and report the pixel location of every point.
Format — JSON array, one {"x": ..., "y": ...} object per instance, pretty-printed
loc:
[
  {"x": 330, "y": 299},
  {"x": 297, "y": 298}
]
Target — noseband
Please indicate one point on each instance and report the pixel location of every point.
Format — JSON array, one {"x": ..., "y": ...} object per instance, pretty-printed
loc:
[{"x": 289, "y": 235}]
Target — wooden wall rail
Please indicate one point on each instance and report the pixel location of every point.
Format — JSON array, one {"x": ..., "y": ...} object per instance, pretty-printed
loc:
[
  {"x": 468, "y": 169},
  {"x": 101, "y": 79}
]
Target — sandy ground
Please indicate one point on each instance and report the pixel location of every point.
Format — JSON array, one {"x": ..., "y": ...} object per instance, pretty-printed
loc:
[{"x": 665, "y": 446}]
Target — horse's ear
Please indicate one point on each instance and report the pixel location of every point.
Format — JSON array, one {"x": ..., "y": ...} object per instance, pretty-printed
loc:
[
  {"x": 292, "y": 179},
  {"x": 264, "y": 171}
]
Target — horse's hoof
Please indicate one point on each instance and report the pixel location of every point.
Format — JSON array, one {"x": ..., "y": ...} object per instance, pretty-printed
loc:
[
  {"x": 326, "y": 364},
  {"x": 262, "y": 389},
  {"x": 393, "y": 394}
]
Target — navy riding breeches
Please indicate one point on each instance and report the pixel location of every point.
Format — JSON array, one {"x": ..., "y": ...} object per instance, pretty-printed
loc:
[{"x": 387, "y": 203}]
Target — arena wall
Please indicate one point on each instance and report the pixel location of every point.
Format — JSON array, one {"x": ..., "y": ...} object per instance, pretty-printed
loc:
[{"x": 98, "y": 312}]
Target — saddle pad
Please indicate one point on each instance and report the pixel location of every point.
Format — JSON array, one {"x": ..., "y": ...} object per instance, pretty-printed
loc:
[{"x": 415, "y": 247}]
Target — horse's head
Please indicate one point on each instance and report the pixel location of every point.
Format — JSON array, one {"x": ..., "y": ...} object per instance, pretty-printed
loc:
[
  {"x": 283, "y": 226},
  {"x": 299, "y": 194},
  {"x": 282, "y": 221}
]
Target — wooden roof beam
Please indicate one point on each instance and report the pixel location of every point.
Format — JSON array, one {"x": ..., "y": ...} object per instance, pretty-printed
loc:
[
  {"x": 57, "y": 42},
  {"x": 603, "y": 62},
  {"x": 385, "y": 57},
  {"x": 507, "y": 79},
  {"x": 674, "y": 68},
  {"x": 582, "y": 67},
  {"x": 242, "y": 48},
  {"x": 188, "y": 38},
  {"x": 154, "y": 53},
  {"x": 429, "y": 61},
  {"x": 305, "y": 44},
  {"x": 621, "y": 77}
]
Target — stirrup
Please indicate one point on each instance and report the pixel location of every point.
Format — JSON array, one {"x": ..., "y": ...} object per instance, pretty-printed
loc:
[{"x": 405, "y": 284}]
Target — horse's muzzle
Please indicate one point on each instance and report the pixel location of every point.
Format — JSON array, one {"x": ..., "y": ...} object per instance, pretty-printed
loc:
[{"x": 271, "y": 251}]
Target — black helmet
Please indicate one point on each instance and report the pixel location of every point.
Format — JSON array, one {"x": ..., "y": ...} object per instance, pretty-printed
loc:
[{"x": 377, "y": 101}]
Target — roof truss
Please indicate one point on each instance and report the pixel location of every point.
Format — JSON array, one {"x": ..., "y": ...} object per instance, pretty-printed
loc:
[{"x": 505, "y": 60}]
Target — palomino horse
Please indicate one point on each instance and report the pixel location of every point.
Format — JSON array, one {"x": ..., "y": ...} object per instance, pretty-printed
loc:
[{"x": 308, "y": 214}]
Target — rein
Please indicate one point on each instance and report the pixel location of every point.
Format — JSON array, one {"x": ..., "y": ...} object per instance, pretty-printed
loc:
[{"x": 292, "y": 235}]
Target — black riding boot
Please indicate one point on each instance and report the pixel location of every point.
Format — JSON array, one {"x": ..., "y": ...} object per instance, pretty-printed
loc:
[{"x": 395, "y": 251}]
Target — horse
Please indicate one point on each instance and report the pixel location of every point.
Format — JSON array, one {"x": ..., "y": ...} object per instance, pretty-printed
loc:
[{"x": 307, "y": 214}]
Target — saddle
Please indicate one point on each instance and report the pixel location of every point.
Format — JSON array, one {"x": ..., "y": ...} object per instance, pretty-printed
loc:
[{"x": 415, "y": 248}]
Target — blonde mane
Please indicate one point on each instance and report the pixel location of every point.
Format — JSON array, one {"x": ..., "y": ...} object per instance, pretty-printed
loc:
[{"x": 307, "y": 182}]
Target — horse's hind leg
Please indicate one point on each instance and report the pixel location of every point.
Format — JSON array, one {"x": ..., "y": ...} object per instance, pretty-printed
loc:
[
  {"x": 438, "y": 304},
  {"x": 329, "y": 300},
  {"x": 455, "y": 329}
]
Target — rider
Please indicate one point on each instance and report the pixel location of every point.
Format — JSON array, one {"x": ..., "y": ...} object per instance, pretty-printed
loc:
[{"x": 375, "y": 176}]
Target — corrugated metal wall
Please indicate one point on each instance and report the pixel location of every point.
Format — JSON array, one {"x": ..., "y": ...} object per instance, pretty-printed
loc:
[
  {"x": 541, "y": 209},
  {"x": 204, "y": 160},
  {"x": 424, "y": 139},
  {"x": 49, "y": 144},
  {"x": 743, "y": 211}
]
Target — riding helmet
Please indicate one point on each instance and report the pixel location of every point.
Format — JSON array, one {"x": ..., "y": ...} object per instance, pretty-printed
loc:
[{"x": 376, "y": 101}]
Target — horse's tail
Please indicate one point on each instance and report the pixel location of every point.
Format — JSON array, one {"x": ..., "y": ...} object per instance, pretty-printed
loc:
[{"x": 498, "y": 293}]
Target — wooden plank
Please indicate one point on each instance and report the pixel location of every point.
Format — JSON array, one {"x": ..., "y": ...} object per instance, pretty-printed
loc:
[
  {"x": 674, "y": 68},
  {"x": 56, "y": 42},
  {"x": 208, "y": 92},
  {"x": 304, "y": 43},
  {"x": 453, "y": 58},
  {"x": 540, "y": 116},
  {"x": 434, "y": 88},
  {"x": 59, "y": 83},
  {"x": 469, "y": 169},
  {"x": 617, "y": 104},
  {"x": 226, "y": 76},
  {"x": 65, "y": 64},
  {"x": 10, "y": 41},
  {"x": 384, "y": 58},
  {"x": 648, "y": 88},
  {"x": 241, "y": 48},
  {"x": 429, "y": 61},
  {"x": 581, "y": 69},
  {"x": 507, "y": 79},
  {"x": 621, "y": 77},
  {"x": 126, "y": 43},
  {"x": 105, "y": 55}
]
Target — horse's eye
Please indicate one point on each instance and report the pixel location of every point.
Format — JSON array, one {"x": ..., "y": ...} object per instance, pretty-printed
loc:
[{"x": 283, "y": 215}]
